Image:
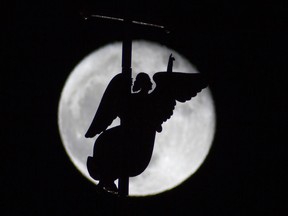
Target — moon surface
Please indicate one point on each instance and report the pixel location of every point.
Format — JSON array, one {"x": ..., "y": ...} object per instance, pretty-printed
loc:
[{"x": 179, "y": 149}]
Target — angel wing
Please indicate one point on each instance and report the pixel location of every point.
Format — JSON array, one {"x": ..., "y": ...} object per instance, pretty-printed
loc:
[
  {"x": 172, "y": 87},
  {"x": 109, "y": 106}
]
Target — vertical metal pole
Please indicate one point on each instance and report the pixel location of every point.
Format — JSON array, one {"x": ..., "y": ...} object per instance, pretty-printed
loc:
[
  {"x": 123, "y": 184},
  {"x": 127, "y": 50}
]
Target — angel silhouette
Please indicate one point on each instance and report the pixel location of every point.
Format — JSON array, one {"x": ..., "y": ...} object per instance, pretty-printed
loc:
[{"x": 127, "y": 148}]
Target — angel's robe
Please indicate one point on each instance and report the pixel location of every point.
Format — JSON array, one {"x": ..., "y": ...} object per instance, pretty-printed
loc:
[{"x": 126, "y": 148}]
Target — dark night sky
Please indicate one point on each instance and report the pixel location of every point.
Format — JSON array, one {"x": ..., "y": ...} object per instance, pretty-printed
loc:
[{"x": 242, "y": 47}]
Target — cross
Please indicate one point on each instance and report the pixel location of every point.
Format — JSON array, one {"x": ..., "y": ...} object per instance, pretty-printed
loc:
[{"x": 127, "y": 23}]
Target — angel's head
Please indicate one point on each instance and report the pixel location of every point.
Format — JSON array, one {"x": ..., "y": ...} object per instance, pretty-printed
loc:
[{"x": 142, "y": 83}]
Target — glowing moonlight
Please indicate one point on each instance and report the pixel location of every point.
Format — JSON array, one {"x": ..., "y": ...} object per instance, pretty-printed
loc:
[{"x": 179, "y": 149}]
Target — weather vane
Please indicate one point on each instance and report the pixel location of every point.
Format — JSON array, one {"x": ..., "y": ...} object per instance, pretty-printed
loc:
[{"x": 125, "y": 150}]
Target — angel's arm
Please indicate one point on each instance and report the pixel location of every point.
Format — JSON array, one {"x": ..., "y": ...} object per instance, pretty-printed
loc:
[{"x": 170, "y": 63}]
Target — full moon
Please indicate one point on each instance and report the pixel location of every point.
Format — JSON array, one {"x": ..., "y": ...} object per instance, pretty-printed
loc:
[{"x": 179, "y": 149}]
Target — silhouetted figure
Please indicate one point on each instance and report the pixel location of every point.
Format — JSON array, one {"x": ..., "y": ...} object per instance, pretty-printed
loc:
[{"x": 126, "y": 150}]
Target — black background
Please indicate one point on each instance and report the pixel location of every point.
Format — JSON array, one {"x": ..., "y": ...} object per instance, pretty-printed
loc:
[{"x": 243, "y": 47}]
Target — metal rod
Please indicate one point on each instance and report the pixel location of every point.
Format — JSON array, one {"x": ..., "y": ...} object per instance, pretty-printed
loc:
[
  {"x": 148, "y": 24},
  {"x": 106, "y": 17},
  {"x": 123, "y": 186},
  {"x": 122, "y": 20}
]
